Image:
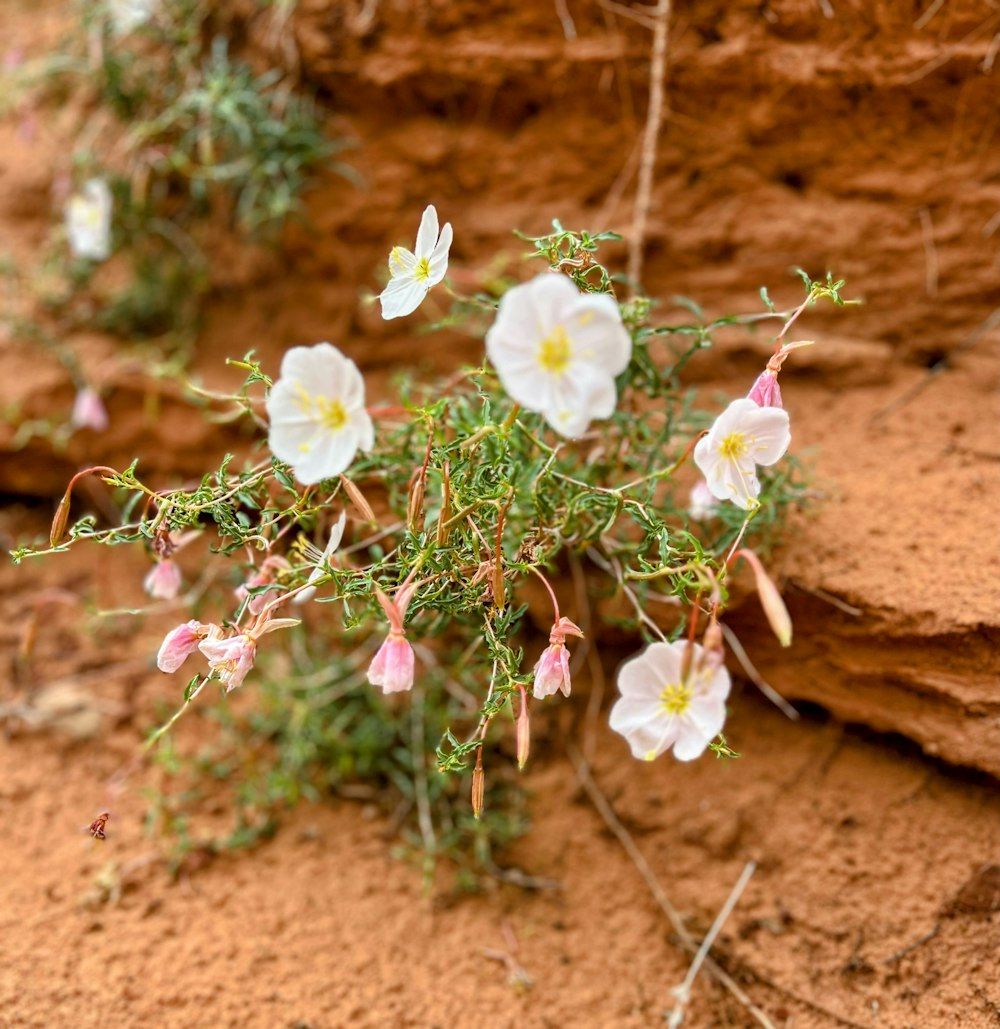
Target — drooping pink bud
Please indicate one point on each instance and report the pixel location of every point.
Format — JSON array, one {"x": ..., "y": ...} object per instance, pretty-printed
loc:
[
  {"x": 89, "y": 411},
  {"x": 163, "y": 581},
  {"x": 178, "y": 644},
  {"x": 552, "y": 668},
  {"x": 231, "y": 658},
  {"x": 766, "y": 392},
  {"x": 392, "y": 666}
]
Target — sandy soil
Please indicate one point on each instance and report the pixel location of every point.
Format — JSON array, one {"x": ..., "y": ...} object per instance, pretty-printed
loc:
[{"x": 793, "y": 138}]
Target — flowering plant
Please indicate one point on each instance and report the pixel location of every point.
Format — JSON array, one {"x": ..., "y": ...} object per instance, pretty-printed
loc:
[{"x": 573, "y": 441}]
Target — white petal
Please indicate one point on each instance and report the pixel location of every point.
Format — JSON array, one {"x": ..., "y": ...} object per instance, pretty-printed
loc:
[
  {"x": 402, "y": 297},
  {"x": 598, "y": 335},
  {"x": 691, "y": 743},
  {"x": 319, "y": 368},
  {"x": 769, "y": 436},
  {"x": 330, "y": 455},
  {"x": 439, "y": 257},
  {"x": 577, "y": 397},
  {"x": 647, "y": 737},
  {"x": 401, "y": 262},
  {"x": 646, "y": 674},
  {"x": 427, "y": 234},
  {"x": 736, "y": 481},
  {"x": 361, "y": 424}
]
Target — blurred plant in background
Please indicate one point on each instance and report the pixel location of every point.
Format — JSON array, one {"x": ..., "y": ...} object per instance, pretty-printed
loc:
[{"x": 181, "y": 143}]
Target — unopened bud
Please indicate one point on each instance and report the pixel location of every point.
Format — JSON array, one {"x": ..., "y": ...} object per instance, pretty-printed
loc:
[
  {"x": 415, "y": 503},
  {"x": 442, "y": 530},
  {"x": 61, "y": 518},
  {"x": 523, "y": 732},
  {"x": 770, "y": 600},
  {"x": 478, "y": 785},
  {"x": 358, "y": 499},
  {"x": 714, "y": 654},
  {"x": 499, "y": 584}
]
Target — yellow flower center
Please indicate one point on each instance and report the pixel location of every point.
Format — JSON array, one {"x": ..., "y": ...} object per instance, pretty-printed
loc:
[
  {"x": 555, "y": 351},
  {"x": 734, "y": 446},
  {"x": 332, "y": 415},
  {"x": 422, "y": 272},
  {"x": 396, "y": 260},
  {"x": 675, "y": 698}
]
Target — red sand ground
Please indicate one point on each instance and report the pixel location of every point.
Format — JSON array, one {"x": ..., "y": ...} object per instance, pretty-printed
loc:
[{"x": 793, "y": 138}]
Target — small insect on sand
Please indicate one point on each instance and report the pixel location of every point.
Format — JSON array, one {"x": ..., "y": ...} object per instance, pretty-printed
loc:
[{"x": 96, "y": 827}]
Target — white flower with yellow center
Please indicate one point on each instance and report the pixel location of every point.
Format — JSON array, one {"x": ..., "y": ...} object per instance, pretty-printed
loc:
[
  {"x": 317, "y": 413},
  {"x": 88, "y": 221},
  {"x": 557, "y": 351},
  {"x": 743, "y": 436},
  {"x": 413, "y": 274},
  {"x": 662, "y": 707},
  {"x": 128, "y": 15}
]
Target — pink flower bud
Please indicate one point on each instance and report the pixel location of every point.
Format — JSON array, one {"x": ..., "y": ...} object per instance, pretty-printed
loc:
[
  {"x": 392, "y": 666},
  {"x": 89, "y": 411},
  {"x": 163, "y": 581},
  {"x": 231, "y": 658},
  {"x": 178, "y": 644},
  {"x": 766, "y": 392}
]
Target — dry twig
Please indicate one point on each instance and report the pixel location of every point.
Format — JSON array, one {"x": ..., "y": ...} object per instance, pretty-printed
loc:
[
  {"x": 654, "y": 120},
  {"x": 688, "y": 942}
]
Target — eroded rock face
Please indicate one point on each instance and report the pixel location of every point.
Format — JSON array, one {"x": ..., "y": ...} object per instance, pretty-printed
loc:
[{"x": 792, "y": 139}]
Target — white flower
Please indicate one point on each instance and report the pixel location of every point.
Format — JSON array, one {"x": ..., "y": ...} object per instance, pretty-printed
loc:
[
  {"x": 557, "y": 351},
  {"x": 743, "y": 436},
  {"x": 659, "y": 709},
  {"x": 127, "y": 15},
  {"x": 320, "y": 559},
  {"x": 88, "y": 221},
  {"x": 412, "y": 275},
  {"x": 317, "y": 413}
]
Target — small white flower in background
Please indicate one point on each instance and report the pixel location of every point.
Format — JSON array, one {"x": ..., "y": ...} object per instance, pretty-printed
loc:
[
  {"x": 557, "y": 351},
  {"x": 743, "y": 436},
  {"x": 320, "y": 559},
  {"x": 128, "y": 15},
  {"x": 660, "y": 708},
  {"x": 88, "y": 221},
  {"x": 88, "y": 411},
  {"x": 413, "y": 274},
  {"x": 702, "y": 503},
  {"x": 317, "y": 413}
]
